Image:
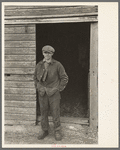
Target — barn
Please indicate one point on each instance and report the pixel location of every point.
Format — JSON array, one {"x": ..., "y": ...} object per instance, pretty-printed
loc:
[{"x": 73, "y": 32}]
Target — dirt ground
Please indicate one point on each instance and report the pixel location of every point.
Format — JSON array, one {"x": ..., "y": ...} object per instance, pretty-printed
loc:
[{"x": 72, "y": 134}]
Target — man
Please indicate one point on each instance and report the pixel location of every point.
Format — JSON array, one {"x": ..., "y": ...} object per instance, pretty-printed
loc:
[{"x": 50, "y": 79}]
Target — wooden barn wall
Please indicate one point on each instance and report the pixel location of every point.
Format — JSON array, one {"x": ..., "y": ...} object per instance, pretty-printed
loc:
[
  {"x": 20, "y": 53},
  {"x": 48, "y": 10},
  {"x": 48, "y": 14},
  {"x": 20, "y": 61}
]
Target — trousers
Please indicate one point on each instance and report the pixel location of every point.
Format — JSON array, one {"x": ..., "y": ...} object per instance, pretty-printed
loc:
[{"x": 53, "y": 103}]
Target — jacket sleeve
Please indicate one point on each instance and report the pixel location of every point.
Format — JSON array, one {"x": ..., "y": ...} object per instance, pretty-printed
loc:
[
  {"x": 63, "y": 77},
  {"x": 35, "y": 78}
]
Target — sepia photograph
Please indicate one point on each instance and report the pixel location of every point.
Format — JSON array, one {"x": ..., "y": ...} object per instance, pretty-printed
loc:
[{"x": 50, "y": 74}]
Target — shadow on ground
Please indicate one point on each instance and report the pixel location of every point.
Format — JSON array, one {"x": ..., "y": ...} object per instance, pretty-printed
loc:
[{"x": 72, "y": 134}]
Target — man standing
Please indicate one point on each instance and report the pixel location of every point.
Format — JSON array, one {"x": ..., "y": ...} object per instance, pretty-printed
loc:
[{"x": 50, "y": 79}]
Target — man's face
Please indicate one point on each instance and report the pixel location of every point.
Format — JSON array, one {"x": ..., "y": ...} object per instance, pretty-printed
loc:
[{"x": 47, "y": 55}]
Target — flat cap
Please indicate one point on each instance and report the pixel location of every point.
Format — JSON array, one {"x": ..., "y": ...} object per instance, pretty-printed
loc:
[{"x": 48, "y": 48}]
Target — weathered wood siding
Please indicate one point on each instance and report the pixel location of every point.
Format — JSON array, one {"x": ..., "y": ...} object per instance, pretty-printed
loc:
[
  {"x": 20, "y": 61},
  {"x": 48, "y": 10},
  {"x": 48, "y": 14}
]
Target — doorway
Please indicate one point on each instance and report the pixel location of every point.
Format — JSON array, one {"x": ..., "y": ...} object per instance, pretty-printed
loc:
[{"x": 72, "y": 44}]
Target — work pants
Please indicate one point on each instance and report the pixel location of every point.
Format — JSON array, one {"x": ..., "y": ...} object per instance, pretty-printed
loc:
[{"x": 52, "y": 102}]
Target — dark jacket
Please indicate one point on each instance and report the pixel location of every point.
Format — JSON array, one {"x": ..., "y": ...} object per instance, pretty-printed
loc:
[{"x": 56, "y": 80}]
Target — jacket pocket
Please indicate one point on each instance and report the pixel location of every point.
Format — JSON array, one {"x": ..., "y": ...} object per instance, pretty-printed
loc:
[{"x": 40, "y": 89}]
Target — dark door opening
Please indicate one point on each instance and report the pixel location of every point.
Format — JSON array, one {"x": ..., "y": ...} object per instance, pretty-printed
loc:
[{"x": 72, "y": 44}]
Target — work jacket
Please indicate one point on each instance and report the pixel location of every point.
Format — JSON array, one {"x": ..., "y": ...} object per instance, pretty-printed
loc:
[{"x": 56, "y": 79}]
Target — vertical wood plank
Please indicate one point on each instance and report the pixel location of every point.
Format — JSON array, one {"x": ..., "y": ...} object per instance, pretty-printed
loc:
[
  {"x": 94, "y": 75},
  {"x": 89, "y": 94}
]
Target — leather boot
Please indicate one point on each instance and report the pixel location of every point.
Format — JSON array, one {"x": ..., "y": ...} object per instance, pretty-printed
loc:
[
  {"x": 43, "y": 135},
  {"x": 58, "y": 136}
]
